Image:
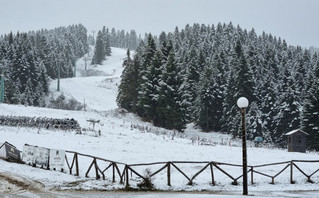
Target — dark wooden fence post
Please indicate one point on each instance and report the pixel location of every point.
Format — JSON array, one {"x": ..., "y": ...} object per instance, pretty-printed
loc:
[
  {"x": 212, "y": 173},
  {"x": 272, "y": 180},
  {"x": 76, "y": 164},
  {"x": 97, "y": 176},
  {"x": 291, "y": 173},
  {"x": 113, "y": 177},
  {"x": 67, "y": 162},
  {"x": 168, "y": 173},
  {"x": 127, "y": 184},
  {"x": 252, "y": 174}
]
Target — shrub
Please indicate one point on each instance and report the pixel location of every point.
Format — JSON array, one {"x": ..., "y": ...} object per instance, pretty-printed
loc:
[
  {"x": 146, "y": 184},
  {"x": 62, "y": 103}
]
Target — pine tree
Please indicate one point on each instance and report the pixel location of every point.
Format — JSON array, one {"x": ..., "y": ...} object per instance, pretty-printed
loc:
[
  {"x": 28, "y": 96},
  {"x": 206, "y": 106},
  {"x": 219, "y": 88},
  {"x": 231, "y": 116},
  {"x": 243, "y": 83},
  {"x": 12, "y": 91},
  {"x": 310, "y": 114},
  {"x": 127, "y": 91},
  {"x": 244, "y": 80},
  {"x": 144, "y": 91},
  {"x": 191, "y": 78},
  {"x": 155, "y": 75},
  {"x": 106, "y": 41},
  {"x": 170, "y": 96},
  {"x": 255, "y": 123},
  {"x": 99, "y": 51}
]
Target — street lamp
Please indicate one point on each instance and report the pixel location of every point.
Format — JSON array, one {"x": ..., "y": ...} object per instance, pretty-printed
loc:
[{"x": 242, "y": 103}]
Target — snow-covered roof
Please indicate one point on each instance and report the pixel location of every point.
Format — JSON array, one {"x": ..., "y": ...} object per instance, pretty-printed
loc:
[{"x": 296, "y": 130}]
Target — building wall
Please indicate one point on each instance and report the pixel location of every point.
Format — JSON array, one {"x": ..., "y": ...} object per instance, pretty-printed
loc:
[
  {"x": 3, "y": 153},
  {"x": 297, "y": 142}
]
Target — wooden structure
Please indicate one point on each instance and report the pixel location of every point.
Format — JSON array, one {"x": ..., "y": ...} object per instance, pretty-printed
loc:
[
  {"x": 10, "y": 153},
  {"x": 93, "y": 122},
  {"x": 297, "y": 141},
  {"x": 103, "y": 169},
  {"x": 126, "y": 172}
]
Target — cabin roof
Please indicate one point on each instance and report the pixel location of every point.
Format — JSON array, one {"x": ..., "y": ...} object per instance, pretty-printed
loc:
[{"x": 295, "y": 131}]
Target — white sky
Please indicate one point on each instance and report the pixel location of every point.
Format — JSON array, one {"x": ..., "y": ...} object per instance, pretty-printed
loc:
[{"x": 296, "y": 21}]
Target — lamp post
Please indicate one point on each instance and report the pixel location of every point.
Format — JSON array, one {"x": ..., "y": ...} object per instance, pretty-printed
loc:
[{"x": 242, "y": 103}]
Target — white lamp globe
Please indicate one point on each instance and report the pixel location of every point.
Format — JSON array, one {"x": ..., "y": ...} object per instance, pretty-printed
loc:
[{"x": 242, "y": 102}]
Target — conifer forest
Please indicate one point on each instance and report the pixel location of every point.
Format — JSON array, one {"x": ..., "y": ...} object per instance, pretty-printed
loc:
[{"x": 191, "y": 75}]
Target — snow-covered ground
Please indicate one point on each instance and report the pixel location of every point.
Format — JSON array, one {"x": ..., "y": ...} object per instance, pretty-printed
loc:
[{"x": 125, "y": 138}]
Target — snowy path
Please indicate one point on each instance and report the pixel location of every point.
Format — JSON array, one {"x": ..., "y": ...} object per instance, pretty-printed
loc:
[{"x": 112, "y": 194}]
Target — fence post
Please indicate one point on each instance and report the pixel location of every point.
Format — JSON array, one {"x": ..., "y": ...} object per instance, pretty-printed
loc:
[
  {"x": 168, "y": 173},
  {"x": 113, "y": 177},
  {"x": 97, "y": 176},
  {"x": 291, "y": 173},
  {"x": 70, "y": 167},
  {"x": 272, "y": 180},
  {"x": 76, "y": 165},
  {"x": 126, "y": 177},
  {"x": 212, "y": 173},
  {"x": 252, "y": 174}
]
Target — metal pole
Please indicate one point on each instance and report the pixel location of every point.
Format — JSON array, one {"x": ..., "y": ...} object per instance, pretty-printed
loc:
[
  {"x": 2, "y": 87},
  {"x": 245, "y": 187},
  {"x": 2, "y": 84},
  {"x": 74, "y": 72},
  {"x": 59, "y": 67}
]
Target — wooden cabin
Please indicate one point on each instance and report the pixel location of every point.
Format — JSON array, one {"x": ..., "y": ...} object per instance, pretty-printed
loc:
[{"x": 297, "y": 141}]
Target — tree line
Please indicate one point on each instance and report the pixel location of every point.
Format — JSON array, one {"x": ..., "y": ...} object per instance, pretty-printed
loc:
[
  {"x": 197, "y": 74},
  {"x": 106, "y": 39},
  {"x": 31, "y": 59}
]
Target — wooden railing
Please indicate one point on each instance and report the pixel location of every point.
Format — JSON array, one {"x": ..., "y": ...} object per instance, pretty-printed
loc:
[
  {"x": 102, "y": 166},
  {"x": 98, "y": 170}
]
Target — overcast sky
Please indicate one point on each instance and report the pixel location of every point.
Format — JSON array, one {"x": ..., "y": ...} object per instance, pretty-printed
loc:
[{"x": 296, "y": 21}]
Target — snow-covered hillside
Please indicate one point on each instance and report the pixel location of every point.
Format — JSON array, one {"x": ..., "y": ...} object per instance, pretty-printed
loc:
[
  {"x": 125, "y": 138},
  {"x": 97, "y": 92}
]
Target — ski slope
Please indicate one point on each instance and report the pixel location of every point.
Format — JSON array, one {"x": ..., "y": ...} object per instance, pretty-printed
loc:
[{"x": 97, "y": 92}]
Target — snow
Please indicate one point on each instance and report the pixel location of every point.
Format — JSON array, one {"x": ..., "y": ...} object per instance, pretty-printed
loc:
[
  {"x": 126, "y": 139},
  {"x": 296, "y": 130}
]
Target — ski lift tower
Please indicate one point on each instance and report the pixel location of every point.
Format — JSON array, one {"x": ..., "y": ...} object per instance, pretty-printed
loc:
[{"x": 2, "y": 68}]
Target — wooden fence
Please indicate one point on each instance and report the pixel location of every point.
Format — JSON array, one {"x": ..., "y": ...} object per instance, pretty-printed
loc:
[{"x": 124, "y": 171}]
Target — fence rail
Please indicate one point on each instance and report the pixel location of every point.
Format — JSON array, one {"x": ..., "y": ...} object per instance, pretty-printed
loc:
[{"x": 130, "y": 170}]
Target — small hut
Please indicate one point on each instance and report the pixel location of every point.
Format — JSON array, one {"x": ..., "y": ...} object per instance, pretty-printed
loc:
[{"x": 297, "y": 141}]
